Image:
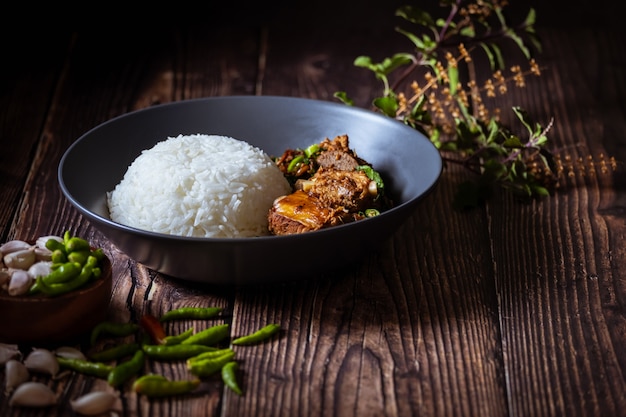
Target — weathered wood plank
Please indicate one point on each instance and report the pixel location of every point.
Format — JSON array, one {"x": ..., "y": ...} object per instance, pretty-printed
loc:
[{"x": 562, "y": 327}]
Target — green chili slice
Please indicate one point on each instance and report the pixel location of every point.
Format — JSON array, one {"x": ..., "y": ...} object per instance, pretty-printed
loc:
[
  {"x": 293, "y": 164},
  {"x": 371, "y": 212},
  {"x": 312, "y": 150}
]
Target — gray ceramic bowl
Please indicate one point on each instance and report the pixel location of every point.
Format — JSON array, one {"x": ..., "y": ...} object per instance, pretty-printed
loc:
[{"x": 97, "y": 161}]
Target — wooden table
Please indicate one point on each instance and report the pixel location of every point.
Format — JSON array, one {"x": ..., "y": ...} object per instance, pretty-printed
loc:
[{"x": 512, "y": 309}]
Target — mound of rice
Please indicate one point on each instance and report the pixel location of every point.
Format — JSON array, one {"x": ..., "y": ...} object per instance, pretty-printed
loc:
[{"x": 199, "y": 186}]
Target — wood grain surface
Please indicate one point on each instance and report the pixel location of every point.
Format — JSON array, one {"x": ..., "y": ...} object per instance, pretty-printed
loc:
[{"x": 512, "y": 309}]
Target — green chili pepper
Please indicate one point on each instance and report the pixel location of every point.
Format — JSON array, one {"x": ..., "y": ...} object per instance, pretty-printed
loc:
[
  {"x": 98, "y": 254},
  {"x": 206, "y": 367},
  {"x": 294, "y": 163},
  {"x": 161, "y": 387},
  {"x": 112, "y": 329},
  {"x": 177, "y": 339},
  {"x": 312, "y": 150},
  {"x": 66, "y": 237},
  {"x": 210, "y": 355},
  {"x": 193, "y": 313},
  {"x": 152, "y": 377},
  {"x": 91, "y": 261},
  {"x": 126, "y": 370},
  {"x": 53, "y": 290},
  {"x": 208, "y": 336},
  {"x": 79, "y": 256},
  {"x": 116, "y": 352},
  {"x": 229, "y": 376},
  {"x": 58, "y": 257},
  {"x": 97, "y": 369},
  {"x": 260, "y": 335},
  {"x": 371, "y": 212},
  {"x": 76, "y": 243},
  {"x": 55, "y": 245},
  {"x": 96, "y": 272},
  {"x": 374, "y": 176},
  {"x": 64, "y": 273},
  {"x": 175, "y": 352}
]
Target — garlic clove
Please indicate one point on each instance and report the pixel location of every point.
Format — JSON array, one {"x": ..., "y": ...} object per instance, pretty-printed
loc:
[
  {"x": 94, "y": 403},
  {"x": 13, "y": 246},
  {"x": 33, "y": 394},
  {"x": 8, "y": 352},
  {"x": 42, "y": 254},
  {"x": 20, "y": 259},
  {"x": 41, "y": 268},
  {"x": 15, "y": 373},
  {"x": 20, "y": 282},
  {"x": 41, "y": 242},
  {"x": 42, "y": 360},
  {"x": 69, "y": 352}
]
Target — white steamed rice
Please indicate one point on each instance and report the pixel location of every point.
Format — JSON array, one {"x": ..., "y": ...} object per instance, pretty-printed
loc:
[{"x": 199, "y": 186}]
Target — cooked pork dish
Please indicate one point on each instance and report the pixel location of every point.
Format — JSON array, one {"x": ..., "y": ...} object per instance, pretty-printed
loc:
[{"x": 331, "y": 186}]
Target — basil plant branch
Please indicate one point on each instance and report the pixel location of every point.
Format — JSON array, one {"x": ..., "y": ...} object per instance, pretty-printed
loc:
[{"x": 454, "y": 114}]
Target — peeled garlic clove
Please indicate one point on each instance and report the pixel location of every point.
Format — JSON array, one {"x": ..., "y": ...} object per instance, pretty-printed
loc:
[
  {"x": 69, "y": 352},
  {"x": 42, "y": 360},
  {"x": 13, "y": 246},
  {"x": 33, "y": 394},
  {"x": 8, "y": 352},
  {"x": 41, "y": 268},
  {"x": 94, "y": 403},
  {"x": 41, "y": 242},
  {"x": 15, "y": 373},
  {"x": 20, "y": 282},
  {"x": 21, "y": 259},
  {"x": 42, "y": 254}
]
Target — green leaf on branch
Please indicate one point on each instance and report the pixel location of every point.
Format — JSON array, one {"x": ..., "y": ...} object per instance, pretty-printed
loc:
[{"x": 388, "y": 105}]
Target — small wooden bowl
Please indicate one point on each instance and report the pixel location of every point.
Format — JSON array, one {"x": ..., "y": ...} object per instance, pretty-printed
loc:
[{"x": 42, "y": 320}]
